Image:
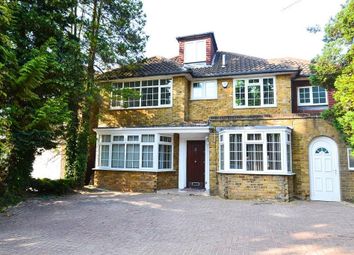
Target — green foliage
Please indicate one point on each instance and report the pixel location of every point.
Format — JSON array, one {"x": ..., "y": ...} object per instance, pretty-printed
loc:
[
  {"x": 111, "y": 33},
  {"x": 8, "y": 199},
  {"x": 335, "y": 68},
  {"x": 52, "y": 187}
]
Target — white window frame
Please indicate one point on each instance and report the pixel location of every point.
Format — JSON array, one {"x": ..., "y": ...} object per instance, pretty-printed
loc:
[
  {"x": 311, "y": 103},
  {"x": 284, "y": 132},
  {"x": 193, "y": 50},
  {"x": 349, "y": 150},
  {"x": 262, "y": 105},
  {"x": 140, "y": 91},
  {"x": 155, "y": 144},
  {"x": 205, "y": 84}
]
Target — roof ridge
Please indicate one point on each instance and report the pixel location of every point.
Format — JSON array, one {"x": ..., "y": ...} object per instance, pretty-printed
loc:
[{"x": 242, "y": 55}]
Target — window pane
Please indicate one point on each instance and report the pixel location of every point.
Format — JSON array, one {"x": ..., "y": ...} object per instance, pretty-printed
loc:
[
  {"x": 133, "y": 138},
  {"x": 147, "y": 138},
  {"x": 254, "y": 93},
  {"x": 254, "y": 157},
  {"x": 165, "y": 156},
  {"x": 221, "y": 156},
  {"x": 118, "y": 155},
  {"x": 351, "y": 159},
  {"x": 268, "y": 91},
  {"x": 105, "y": 138},
  {"x": 304, "y": 95},
  {"x": 116, "y": 99},
  {"x": 150, "y": 96},
  {"x": 147, "y": 156},
  {"x": 165, "y": 95},
  {"x": 319, "y": 95},
  {"x": 198, "y": 90},
  {"x": 254, "y": 137},
  {"x": 273, "y": 152},
  {"x": 236, "y": 151},
  {"x": 166, "y": 139},
  {"x": 211, "y": 89},
  {"x": 288, "y": 156},
  {"x": 133, "y": 102},
  {"x": 104, "y": 155},
  {"x": 132, "y": 157},
  {"x": 240, "y": 93},
  {"x": 118, "y": 138}
]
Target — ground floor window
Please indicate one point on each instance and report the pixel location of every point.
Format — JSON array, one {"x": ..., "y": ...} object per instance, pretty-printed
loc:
[
  {"x": 262, "y": 149},
  {"x": 131, "y": 151}
]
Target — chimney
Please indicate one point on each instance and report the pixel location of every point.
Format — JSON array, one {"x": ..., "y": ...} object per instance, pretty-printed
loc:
[
  {"x": 197, "y": 49},
  {"x": 223, "y": 60}
]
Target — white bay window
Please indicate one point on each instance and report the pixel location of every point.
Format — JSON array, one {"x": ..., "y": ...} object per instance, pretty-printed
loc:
[
  {"x": 131, "y": 152},
  {"x": 255, "y": 150}
]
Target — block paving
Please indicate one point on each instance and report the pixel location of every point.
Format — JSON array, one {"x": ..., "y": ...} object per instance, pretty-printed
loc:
[{"x": 132, "y": 223}]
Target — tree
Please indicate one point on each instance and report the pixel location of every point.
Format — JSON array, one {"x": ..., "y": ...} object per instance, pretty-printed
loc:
[
  {"x": 112, "y": 34},
  {"x": 334, "y": 68},
  {"x": 34, "y": 85}
]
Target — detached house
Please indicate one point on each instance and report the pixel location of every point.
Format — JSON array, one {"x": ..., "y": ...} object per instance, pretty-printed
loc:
[{"x": 240, "y": 127}]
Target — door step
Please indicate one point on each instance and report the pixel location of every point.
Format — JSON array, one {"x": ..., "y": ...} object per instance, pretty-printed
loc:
[{"x": 184, "y": 192}]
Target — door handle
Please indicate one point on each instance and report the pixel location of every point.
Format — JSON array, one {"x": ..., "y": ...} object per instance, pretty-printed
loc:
[{"x": 195, "y": 161}]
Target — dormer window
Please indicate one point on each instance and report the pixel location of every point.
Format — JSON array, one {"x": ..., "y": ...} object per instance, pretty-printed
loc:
[
  {"x": 198, "y": 49},
  {"x": 195, "y": 51}
]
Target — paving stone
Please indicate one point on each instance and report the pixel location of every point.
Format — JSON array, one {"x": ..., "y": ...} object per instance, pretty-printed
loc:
[{"x": 132, "y": 223}]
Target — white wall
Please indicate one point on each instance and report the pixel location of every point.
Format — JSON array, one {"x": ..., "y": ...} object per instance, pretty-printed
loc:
[{"x": 48, "y": 165}]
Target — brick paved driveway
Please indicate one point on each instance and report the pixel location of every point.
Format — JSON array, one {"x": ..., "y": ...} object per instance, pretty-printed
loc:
[{"x": 113, "y": 223}]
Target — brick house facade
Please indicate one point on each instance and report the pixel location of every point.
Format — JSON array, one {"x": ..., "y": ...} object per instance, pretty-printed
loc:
[{"x": 237, "y": 126}]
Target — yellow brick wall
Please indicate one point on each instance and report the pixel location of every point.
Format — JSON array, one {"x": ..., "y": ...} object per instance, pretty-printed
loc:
[
  {"x": 304, "y": 131},
  {"x": 151, "y": 116},
  {"x": 247, "y": 186},
  {"x": 223, "y": 105}
]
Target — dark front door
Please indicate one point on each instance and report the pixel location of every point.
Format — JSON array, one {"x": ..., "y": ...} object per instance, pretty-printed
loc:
[{"x": 195, "y": 164}]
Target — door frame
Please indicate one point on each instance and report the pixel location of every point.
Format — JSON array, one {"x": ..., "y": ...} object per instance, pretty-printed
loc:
[
  {"x": 334, "y": 146},
  {"x": 182, "y": 162}
]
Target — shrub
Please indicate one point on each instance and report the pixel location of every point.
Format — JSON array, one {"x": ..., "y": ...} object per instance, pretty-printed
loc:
[
  {"x": 8, "y": 199},
  {"x": 52, "y": 187}
]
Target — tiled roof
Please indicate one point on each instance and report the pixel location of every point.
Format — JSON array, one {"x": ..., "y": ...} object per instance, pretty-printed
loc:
[
  {"x": 235, "y": 64},
  {"x": 151, "y": 67},
  {"x": 302, "y": 64}
]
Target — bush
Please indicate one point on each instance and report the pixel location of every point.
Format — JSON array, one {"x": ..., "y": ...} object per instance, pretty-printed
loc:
[
  {"x": 52, "y": 187},
  {"x": 8, "y": 199}
]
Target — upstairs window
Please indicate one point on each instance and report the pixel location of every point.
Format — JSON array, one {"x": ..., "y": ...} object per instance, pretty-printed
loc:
[
  {"x": 195, "y": 51},
  {"x": 204, "y": 90},
  {"x": 312, "y": 95},
  {"x": 153, "y": 93},
  {"x": 258, "y": 92}
]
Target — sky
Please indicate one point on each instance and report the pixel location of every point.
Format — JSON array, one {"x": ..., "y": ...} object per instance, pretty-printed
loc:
[{"x": 261, "y": 28}]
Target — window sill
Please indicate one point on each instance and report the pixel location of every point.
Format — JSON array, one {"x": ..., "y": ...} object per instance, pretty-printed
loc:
[
  {"x": 138, "y": 108},
  {"x": 201, "y": 99},
  {"x": 299, "y": 104},
  {"x": 254, "y": 173},
  {"x": 255, "y": 107},
  {"x": 134, "y": 170}
]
